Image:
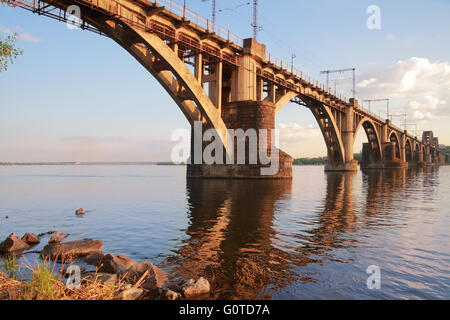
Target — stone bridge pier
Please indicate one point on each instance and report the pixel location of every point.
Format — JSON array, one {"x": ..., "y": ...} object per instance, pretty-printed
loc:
[{"x": 243, "y": 118}]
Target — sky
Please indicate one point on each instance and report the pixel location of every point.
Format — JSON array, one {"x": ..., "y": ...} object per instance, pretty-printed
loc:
[{"x": 77, "y": 96}]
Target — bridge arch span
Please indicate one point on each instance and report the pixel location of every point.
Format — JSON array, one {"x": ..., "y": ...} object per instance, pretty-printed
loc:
[
  {"x": 373, "y": 137},
  {"x": 393, "y": 137},
  {"x": 330, "y": 132},
  {"x": 157, "y": 57},
  {"x": 282, "y": 101},
  {"x": 326, "y": 121}
]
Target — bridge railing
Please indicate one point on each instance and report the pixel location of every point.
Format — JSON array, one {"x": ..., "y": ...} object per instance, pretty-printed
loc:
[
  {"x": 299, "y": 74},
  {"x": 182, "y": 11},
  {"x": 372, "y": 114}
]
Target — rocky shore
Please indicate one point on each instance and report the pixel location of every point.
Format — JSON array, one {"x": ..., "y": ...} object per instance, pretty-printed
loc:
[{"x": 129, "y": 279}]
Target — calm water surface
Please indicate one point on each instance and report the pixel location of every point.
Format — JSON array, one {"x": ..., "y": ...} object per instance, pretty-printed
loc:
[{"x": 309, "y": 238}]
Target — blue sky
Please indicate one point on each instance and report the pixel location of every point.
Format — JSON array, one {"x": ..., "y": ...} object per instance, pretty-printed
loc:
[{"x": 76, "y": 96}]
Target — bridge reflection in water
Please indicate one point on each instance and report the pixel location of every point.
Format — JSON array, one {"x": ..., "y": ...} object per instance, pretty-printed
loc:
[{"x": 233, "y": 236}]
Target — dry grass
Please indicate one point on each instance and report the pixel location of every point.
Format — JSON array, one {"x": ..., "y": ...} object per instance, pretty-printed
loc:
[{"x": 45, "y": 284}]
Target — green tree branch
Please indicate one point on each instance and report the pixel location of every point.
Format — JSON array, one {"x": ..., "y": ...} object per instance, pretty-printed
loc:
[{"x": 8, "y": 52}]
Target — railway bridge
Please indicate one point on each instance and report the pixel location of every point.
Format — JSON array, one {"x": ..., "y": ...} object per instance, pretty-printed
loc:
[{"x": 226, "y": 82}]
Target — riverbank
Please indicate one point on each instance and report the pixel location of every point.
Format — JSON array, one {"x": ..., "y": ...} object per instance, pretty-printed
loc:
[{"x": 57, "y": 275}]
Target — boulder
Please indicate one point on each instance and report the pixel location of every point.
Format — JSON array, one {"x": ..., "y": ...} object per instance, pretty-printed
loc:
[
  {"x": 58, "y": 236},
  {"x": 30, "y": 238},
  {"x": 153, "y": 280},
  {"x": 80, "y": 212},
  {"x": 105, "y": 278},
  {"x": 168, "y": 294},
  {"x": 193, "y": 288},
  {"x": 74, "y": 249},
  {"x": 131, "y": 294},
  {"x": 115, "y": 264},
  {"x": 94, "y": 259},
  {"x": 13, "y": 244}
]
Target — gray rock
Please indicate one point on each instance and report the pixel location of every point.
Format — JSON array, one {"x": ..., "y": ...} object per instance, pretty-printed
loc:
[
  {"x": 115, "y": 264},
  {"x": 154, "y": 279},
  {"x": 131, "y": 294},
  {"x": 13, "y": 244},
  {"x": 193, "y": 288},
  {"x": 74, "y": 249},
  {"x": 30, "y": 238},
  {"x": 58, "y": 236}
]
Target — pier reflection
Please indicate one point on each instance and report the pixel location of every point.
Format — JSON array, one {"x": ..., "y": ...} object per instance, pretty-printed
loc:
[{"x": 235, "y": 240}]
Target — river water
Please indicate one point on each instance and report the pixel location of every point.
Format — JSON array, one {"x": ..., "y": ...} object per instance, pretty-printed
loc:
[{"x": 310, "y": 238}]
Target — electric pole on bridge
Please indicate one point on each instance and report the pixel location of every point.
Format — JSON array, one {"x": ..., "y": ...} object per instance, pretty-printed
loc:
[
  {"x": 380, "y": 100},
  {"x": 256, "y": 27},
  {"x": 214, "y": 13},
  {"x": 404, "y": 115},
  {"x": 327, "y": 72},
  {"x": 335, "y": 81},
  {"x": 415, "y": 127},
  {"x": 293, "y": 56}
]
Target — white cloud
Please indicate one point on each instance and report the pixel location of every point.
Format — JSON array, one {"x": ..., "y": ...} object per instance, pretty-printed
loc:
[
  {"x": 366, "y": 83},
  {"x": 294, "y": 132},
  {"x": 419, "y": 86},
  {"x": 301, "y": 141},
  {"x": 21, "y": 35},
  {"x": 28, "y": 37}
]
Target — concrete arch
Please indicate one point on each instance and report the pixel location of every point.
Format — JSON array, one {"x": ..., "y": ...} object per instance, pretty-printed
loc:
[
  {"x": 393, "y": 137},
  {"x": 327, "y": 124},
  {"x": 163, "y": 63},
  {"x": 283, "y": 100},
  {"x": 372, "y": 136},
  {"x": 330, "y": 132}
]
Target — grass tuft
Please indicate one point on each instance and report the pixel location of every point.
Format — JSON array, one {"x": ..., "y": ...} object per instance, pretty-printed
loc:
[{"x": 45, "y": 284}]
